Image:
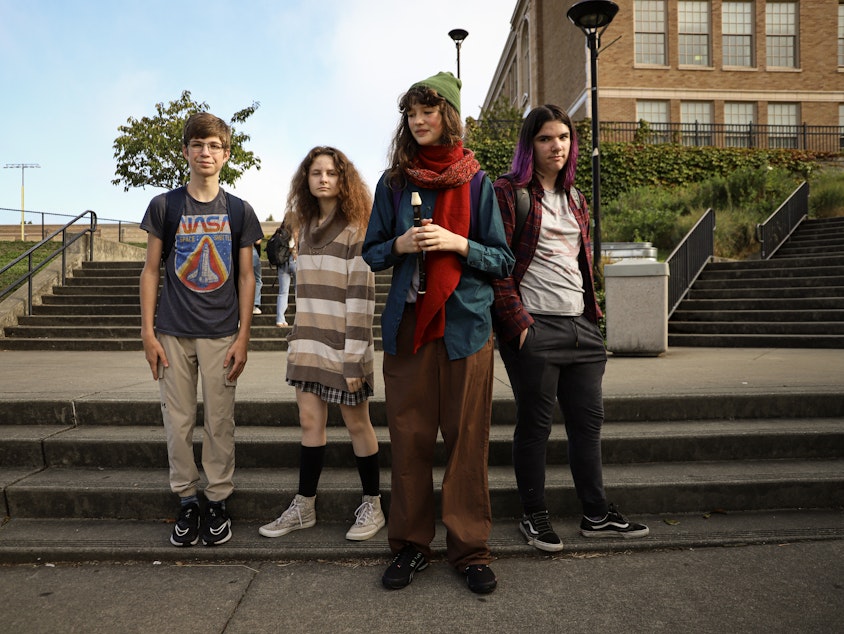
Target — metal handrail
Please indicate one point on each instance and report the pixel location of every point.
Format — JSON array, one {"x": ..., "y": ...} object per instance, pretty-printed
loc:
[
  {"x": 31, "y": 271},
  {"x": 781, "y": 224},
  {"x": 121, "y": 224},
  {"x": 687, "y": 260}
]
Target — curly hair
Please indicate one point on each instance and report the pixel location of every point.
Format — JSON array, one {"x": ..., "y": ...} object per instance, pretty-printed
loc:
[
  {"x": 521, "y": 171},
  {"x": 354, "y": 200},
  {"x": 404, "y": 148}
]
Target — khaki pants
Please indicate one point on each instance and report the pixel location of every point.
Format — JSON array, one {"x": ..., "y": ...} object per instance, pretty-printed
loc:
[
  {"x": 426, "y": 392},
  {"x": 188, "y": 359}
]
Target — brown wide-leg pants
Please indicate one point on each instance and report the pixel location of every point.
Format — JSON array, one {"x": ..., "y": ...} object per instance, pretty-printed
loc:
[{"x": 427, "y": 392}]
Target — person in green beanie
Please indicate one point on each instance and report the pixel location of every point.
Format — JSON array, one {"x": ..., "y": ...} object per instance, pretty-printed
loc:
[{"x": 435, "y": 221}]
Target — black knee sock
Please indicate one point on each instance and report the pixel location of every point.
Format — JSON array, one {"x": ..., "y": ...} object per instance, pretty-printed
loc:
[
  {"x": 370, "y": 475},
  {"x": 311, "y": 460}
]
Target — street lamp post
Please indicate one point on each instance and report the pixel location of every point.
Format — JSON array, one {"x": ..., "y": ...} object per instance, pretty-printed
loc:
[
  {"x": 458, "y": 35},
  {"x": 22, "y": 167},
  {"x": 593, "y": 17}
]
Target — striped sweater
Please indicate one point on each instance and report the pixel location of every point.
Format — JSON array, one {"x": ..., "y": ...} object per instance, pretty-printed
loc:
[{"x": 331, "y": 338}]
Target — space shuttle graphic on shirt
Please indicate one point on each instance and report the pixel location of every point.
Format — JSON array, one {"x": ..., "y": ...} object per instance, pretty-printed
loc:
[{"x": 204, "y": 252}]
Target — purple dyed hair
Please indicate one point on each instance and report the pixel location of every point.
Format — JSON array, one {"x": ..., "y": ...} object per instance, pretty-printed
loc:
[{"x": 522, "y": 167}]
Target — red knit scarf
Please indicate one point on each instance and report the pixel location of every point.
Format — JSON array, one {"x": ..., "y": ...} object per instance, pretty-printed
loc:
[{"x": 448, "y": 169}]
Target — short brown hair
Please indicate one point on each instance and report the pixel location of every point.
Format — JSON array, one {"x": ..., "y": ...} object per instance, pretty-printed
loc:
[{"x": 201, "y": 125}]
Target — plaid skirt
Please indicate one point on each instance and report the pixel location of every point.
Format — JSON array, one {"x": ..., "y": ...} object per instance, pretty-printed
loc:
[{"x": 332, "y": 394}]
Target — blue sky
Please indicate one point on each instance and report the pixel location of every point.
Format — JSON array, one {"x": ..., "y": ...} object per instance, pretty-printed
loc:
[{"x": 327, "y": 72}]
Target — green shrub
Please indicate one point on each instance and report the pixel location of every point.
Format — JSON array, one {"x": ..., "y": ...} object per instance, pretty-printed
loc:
[{"x": 826, "y": 195}]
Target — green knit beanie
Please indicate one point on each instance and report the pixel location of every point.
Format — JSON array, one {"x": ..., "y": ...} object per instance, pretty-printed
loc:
[{"x": 446, "y": 85}]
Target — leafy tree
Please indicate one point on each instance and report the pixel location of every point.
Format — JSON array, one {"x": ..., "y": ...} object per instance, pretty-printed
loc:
[
  {"x": 493, "y": 137},
  {"x": 149, "y": 150}
]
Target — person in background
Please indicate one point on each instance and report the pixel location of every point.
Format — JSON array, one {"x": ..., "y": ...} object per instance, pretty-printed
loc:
[
  {"x": 201, "y": 325},
  {"x": 287, "y": 270},
  {"x": 259, "y": 282},
  {"x": 438, "y": 347},
  {"x": 331, "y": 350},
  {"x": 546, "y": 320}
]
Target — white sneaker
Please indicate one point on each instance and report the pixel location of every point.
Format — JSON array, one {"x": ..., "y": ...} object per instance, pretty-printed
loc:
[
  {"x": 369, "y": 519},
  {"x": 300, "y": 514},
  {"x": 256, "y": 310}
]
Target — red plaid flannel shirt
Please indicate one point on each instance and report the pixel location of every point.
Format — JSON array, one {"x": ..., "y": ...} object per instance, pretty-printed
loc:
[{"x": 509, "y": 315}]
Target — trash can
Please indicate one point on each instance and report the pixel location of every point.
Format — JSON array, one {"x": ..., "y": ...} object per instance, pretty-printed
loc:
[{"x": 637, "y": 308}]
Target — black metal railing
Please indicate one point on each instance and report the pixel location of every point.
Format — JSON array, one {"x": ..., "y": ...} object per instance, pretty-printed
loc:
[
  {"x": 687, "y": 261},
  {"x": 780, "y": 224},
  {"x": 817, "y": 138},
  {"x": 67, "y": 240},
  {"x": 122, "y": 225}
]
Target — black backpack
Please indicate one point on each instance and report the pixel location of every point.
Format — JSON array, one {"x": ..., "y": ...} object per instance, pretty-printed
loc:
[{"x": 278, "y": 247}]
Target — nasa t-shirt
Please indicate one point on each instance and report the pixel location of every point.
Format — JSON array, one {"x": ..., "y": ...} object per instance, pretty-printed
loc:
[{"x": 198, "y": 297}]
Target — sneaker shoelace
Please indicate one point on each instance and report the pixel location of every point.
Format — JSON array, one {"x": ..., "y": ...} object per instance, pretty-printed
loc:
[
  {"x": 364, "y": 513},
  {"x": 293, "y": 508}
]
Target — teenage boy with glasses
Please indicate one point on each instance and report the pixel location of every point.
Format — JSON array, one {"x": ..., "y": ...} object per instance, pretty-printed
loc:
[{"x": 202, "y": 323}]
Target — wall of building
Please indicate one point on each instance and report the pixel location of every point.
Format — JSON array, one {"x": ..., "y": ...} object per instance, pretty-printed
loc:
[{"x": 559, "y": 63}]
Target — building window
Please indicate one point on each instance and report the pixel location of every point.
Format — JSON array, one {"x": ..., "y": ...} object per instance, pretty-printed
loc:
[
  {"x": 841, "y": 126},
  {"x": 738, "y": 124},
  {"x": 781, "y": 34},
  {"x": 782, "y": 125},
  {"x": 649, "y": 16},
  {"x": 696, "y": 122},
  {"x": 737, "y": 33},
  {"x": 693, "y": 32},
  {"x": 655, "y": 114},
  {"x": 525, "y": 99},
  {"x": 841, "y": 33}
]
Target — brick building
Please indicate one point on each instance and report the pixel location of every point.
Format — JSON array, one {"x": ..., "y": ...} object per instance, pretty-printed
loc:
[{"x": 745, "y": 72}]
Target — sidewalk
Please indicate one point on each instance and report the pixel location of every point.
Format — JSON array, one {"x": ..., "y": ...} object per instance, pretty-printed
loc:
[{"x": 48, "y": 375}]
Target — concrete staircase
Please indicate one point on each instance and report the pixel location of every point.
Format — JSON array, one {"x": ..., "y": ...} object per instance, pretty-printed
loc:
[
  {"x": 793, "y": 300},
  {"x": 98, "y": 309},
  {"x": 100, "y": 467}
]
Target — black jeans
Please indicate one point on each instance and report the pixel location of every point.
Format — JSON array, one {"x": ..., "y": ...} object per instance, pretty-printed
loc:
[{"x": 562, "y": 360}]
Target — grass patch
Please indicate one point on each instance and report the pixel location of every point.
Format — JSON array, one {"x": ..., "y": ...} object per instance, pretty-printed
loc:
[
  {"x": 11, "y": 249},
  {"x": 741, "y": 200}
]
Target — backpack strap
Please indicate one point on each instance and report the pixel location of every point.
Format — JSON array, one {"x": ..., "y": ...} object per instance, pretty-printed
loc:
[
  {"x": 523, "y": 207},
  {"x": 174, "y": 208},
  {"x": 474, "y": 198}
]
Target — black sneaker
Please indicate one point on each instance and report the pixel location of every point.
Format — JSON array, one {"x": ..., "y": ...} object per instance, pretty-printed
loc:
[
  {"x": 216, "y": 525},
  {"x": 613, "y": 525},
  {"x": 537, "y": 529},
  {"x": 480, "y": 578},
  {"x": 186, "y": 530},
  {"x": 399, "y": 573}
]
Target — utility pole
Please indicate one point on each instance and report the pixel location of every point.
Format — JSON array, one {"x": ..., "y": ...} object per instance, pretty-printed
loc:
[{"x": 22, "y": 167}]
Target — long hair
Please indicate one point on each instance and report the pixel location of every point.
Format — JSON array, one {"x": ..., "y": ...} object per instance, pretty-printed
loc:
[
  {"x": 404, "y": 148},
  {"x": 354, "y": 201},
  {"x": 522, "y": 168}
]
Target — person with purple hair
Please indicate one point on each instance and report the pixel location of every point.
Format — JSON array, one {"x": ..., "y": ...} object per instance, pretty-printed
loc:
[{"x": 546, "y": 316}]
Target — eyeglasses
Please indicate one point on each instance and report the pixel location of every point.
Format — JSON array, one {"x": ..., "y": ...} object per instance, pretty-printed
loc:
[{"x": 213, "y": 148}]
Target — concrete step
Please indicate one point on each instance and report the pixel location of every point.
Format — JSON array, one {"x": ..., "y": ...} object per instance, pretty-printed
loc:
[
  {"x": 278, "y": 447},
  {"x": 723, "y": 291},
  {"x": 814, "y": 283},
  {"x": 40, "y": 541},
  {"x": 831, "y": 316},
  {"x": 755, "y": 340},
  {"x": 279, "y": 411},
  {"x": 769, "y": 303},
  {"x": 747, "y": 327},
  {"x": 650, "y": 488}
]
